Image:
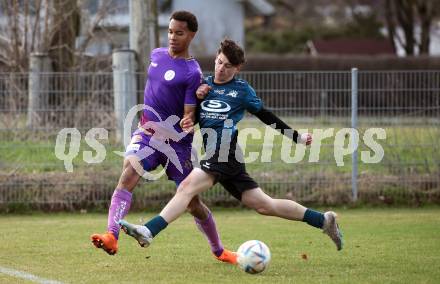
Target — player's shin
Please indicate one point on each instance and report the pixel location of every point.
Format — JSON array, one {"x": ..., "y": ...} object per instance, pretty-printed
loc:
[
  {"x": 119, "y": 207},
  {"x": 197, "y": 182},
  {"x": 289, "y": 209},
  {"x": 209, "y": 229},
  {"x": 176, "y": 206}
]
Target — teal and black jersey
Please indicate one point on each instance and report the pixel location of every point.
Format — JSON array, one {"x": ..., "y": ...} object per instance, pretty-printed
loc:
[{"x": 223, "y": 108}]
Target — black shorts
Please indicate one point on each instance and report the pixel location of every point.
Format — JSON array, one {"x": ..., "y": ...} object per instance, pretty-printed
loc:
[{"x": 231, "y": 175}]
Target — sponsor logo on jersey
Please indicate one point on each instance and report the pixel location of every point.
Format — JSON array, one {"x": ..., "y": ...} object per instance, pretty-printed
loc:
[
  {"x": 132, "y": 148},
  {"x": 169, "y": 75},
  {"x": 220, "y": 91},
  {"x": 215, "y": 106},
  {"x": 232, "y": 93}
]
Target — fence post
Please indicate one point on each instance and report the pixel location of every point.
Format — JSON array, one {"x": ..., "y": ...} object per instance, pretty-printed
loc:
[
  {"x": 39, "y": 68},
  {"x": 324, "y": 104},
  {"x": 354, "y": 122},
  {"x": 124, "y": 86}
]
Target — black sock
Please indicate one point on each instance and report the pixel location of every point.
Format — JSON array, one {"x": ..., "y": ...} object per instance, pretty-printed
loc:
[
  {"x": 156, "y": 225},
  {"x": 314, "y": 218}
]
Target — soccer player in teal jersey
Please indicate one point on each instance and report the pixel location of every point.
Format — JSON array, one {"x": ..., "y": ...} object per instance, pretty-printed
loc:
[
  {"x": 170, "y": 94},
  {"x": 222, "y": 108}
]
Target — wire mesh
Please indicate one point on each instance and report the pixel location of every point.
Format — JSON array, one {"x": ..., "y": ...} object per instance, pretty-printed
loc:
[{"x": 406, "y": 104}]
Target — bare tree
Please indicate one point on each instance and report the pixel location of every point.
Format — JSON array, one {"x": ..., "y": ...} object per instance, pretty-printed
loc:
[
  {"x": 427, "y": 10},
  {"x": 65, "y": 29},
  {"x": 45, "y": 26},
  {"x": 411, "y": 16}
]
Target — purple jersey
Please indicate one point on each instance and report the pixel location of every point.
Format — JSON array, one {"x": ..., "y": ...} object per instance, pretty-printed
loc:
[{"x": 172, "y": 83}]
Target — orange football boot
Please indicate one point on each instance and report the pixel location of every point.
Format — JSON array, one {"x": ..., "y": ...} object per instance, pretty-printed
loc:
[
  {"x": 106, "y": 241},
  {"x": 228, "y": 256}
]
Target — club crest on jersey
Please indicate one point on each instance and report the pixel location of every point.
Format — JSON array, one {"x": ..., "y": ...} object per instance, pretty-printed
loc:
[
  {"x": 169, "y": 75},
  {"x": 215, "y": 106},
  {"x": 232, "y": 93}
]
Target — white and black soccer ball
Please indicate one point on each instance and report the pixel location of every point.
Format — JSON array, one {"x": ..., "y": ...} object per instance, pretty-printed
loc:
[{"x": 253, "y": 256}]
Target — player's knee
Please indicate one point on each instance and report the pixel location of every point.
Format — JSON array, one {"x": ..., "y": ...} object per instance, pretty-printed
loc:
[
  {"x": 183, "y": 185},
  {"x": 264, "y": 207},
  {"x": 185, "y": 191},
  {"x": 134, "y": 164},
  {"x": 259, "y": 202},
  {"x": 128, "y": 177},
  {"x": 262, "y": 210}
]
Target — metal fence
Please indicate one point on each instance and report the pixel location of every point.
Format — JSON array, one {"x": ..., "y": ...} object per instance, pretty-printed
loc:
[{"x": 406, "y": 104}]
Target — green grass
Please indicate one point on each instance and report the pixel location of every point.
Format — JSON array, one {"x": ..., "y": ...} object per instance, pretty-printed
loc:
[{"x": 382, "y": 246}]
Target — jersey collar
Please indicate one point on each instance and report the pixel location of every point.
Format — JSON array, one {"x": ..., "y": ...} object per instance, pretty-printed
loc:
[{"x": 222, "y": 84}]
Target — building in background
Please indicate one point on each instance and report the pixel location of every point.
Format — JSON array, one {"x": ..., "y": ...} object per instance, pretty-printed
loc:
[
  {"x": 217, "y": 19},
  {"x": 220, "y": 19}
]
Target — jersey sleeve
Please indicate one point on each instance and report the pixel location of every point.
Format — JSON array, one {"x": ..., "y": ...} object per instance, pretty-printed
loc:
[
  {"x": 150, "y": 59},
  {"x": 252, "y": 102},
  {"x": 194, "y": 82}
]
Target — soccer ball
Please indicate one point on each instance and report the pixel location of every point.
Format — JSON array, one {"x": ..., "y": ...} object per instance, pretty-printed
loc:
[{"x": 253, "y": 256}]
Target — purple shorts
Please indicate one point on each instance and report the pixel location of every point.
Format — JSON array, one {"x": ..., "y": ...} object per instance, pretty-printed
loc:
[{"x": 173, "y": 156}]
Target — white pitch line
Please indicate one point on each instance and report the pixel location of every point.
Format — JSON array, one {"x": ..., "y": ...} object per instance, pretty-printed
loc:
[{"x": 27, "y": 276}]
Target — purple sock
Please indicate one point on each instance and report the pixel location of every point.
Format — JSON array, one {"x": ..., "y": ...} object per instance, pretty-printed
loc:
[
  {"x": 119, "y": 206},
  {"x": 207, "y": 227}
]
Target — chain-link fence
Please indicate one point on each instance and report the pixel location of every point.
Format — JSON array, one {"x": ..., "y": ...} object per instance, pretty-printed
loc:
[{"x": 405, "y": 104}]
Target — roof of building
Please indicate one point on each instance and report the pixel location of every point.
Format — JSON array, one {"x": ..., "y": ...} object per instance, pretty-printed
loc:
[
  {"x": 350, "y": 47},
  {"x": 261, "y": 7}
]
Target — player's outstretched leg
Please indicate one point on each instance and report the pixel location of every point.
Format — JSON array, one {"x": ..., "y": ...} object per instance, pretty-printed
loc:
[
  {"x": 139, "y": 232},
  {"x": 331, "y": 228},
  {"x": 106, "y": 241},
  {"x": 291, "y": 210},
  {"x": 144, "y": 237}
]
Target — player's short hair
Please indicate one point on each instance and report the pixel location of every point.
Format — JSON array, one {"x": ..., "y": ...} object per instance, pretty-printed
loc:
[
  {"x": 188, "y": 17},
  {"x": 232, "y": 51}
]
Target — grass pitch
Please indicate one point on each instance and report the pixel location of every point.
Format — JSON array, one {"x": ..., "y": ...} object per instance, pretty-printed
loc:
[{"x": 381, "y": 246}]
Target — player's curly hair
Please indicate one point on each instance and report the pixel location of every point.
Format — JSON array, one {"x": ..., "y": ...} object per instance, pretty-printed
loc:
[
  {"x": 232, "y": 51},
  {"x": 188, "y": 17}
]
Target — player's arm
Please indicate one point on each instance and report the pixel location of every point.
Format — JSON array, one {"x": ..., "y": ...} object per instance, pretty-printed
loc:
[
  {"x": 187, "y": 122},
  {"x": 270, "y": 118},
  {"x": 189, "y": 111},
  {"x": 202, "y": 91},
  {"x": 255, "y": 106}
]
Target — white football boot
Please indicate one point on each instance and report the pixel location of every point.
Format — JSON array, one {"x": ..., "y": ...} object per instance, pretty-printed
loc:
[
  {"x": 139, "y": 232},
  {"x": 331, "y": 229}
]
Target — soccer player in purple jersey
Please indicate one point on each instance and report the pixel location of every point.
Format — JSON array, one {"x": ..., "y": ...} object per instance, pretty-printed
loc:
[{"x": 169, "y": 97}]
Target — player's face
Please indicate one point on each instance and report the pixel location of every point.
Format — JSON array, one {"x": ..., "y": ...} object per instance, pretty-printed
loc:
[
  {"x": 179, "y": 36},
  {"x": 224, "y": 70}
]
